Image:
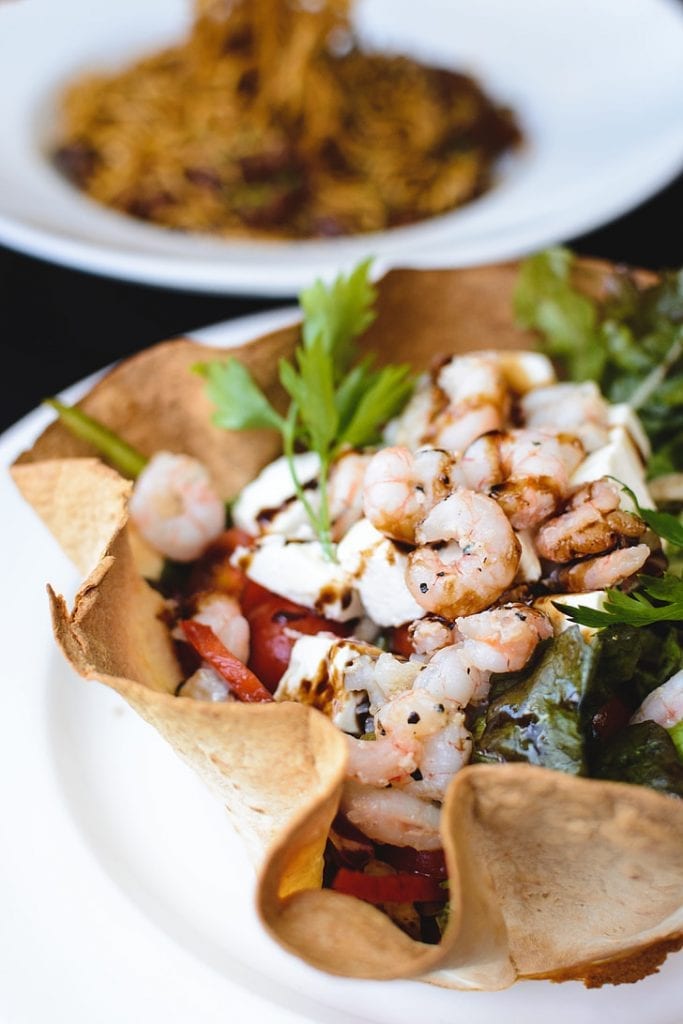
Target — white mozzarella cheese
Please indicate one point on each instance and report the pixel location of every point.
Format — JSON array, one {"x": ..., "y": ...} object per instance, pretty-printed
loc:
[
  {"x": 378, "y": 568},
  {"x": 271, "y": 489},
  {"x": 619, "y": 458},
  {"x": 338, "y": 676},
  {"x": 299, "y": 571},
  {"x": 316, "y": 676},
  {"x": 529, "y": 565},
  {"x": 622, "y": 415},
  {"x": 291, "y": 520},
  {"x": 594, "y": 599}
]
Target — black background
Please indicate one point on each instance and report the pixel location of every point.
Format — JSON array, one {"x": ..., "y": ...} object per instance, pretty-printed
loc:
[{"x": 58, "y": 325}]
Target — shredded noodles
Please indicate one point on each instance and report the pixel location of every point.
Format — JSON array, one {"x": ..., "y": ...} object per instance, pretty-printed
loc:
[{"x": 271, "y": 120}]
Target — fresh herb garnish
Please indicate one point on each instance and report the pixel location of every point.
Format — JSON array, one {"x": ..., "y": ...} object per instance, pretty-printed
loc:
[
  {"x": 337, "y": 400},
  {"x": 630, "y": 341},
  {"x": 657, "y": 599},
  {"x": 665, "y": 525}
]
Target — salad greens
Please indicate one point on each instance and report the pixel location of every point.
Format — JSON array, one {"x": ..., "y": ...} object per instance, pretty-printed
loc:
[
  {"x": 643, "y": 754},
  {"x": 568, "y": 708},
  {"x": 630, "y": 341},
  {"x": 534, "y": 715},
  {"x": 336, "y": 399}
]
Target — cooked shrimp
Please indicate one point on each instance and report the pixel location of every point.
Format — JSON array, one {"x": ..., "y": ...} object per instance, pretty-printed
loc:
[
  {"x": 477, "y": 396},
  {"x": 418, "y": 738},
  {"x": 527, "y": 471},
  {"x": 443, "y": 755},
  {"x": 401, "y": 487},
  {"x": 345, "y": 491},
  {"x": 429, "y": 634},
  {"x": 502, "y": 639},
  {"x": 451, "y": 674},
  {"x": 175, "y": 506},
  {"x": 468, "y": 555},
  {"x": 381, "y": 675},
  {"x": 578, "y": 409},
  {"x": 391, "y": 816},
  {"x": 224, "y": 615},
  {"x": 603, "y": 571},
  {"x": 664, "y": 705},
  {"x": 497, "y": 640},
  {"x": 591, "y": 524}
]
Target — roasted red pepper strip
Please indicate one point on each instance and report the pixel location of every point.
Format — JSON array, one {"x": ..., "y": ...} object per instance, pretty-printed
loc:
[
  {"x": 241, "y": 680},
  {"x": 399, "y": 888}
]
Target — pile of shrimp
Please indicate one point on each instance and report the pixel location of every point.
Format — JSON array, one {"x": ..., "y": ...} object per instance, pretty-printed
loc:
[{"x": 475, "y": 514}]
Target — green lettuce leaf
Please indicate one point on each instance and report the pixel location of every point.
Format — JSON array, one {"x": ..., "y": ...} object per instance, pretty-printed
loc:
[{"x": 643, "y": 754}]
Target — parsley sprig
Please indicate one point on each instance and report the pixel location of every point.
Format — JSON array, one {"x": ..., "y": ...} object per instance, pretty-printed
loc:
[
  {"x": 665, "y": 525},
  {"x": 657, "y": 599},
  {"x": 336, "y": 399}
]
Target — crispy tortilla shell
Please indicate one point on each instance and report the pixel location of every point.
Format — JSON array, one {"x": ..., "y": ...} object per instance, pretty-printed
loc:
[{"x": 551, "y": 876}]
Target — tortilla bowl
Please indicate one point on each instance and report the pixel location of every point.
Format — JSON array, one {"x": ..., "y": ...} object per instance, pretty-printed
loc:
[{"x": 551, "y": 876}]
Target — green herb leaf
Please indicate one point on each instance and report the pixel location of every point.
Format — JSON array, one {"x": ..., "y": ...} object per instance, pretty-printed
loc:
[
  {"x": 630, "y": 341},
  {"x": 665, "y": 525},
  {"x": 386, "y": 393},
  {"x": 312, "y": 388},
  {"x": 546, "y": 301},
  {"x": 658, "y": 599},
  {"x": 338, "y": 313},
  {"x": 240, "y": 403},
  {"x": 351, "y": 389},
  {"x": 117, "y": 452},
  {"x": 334, "y": 403}
]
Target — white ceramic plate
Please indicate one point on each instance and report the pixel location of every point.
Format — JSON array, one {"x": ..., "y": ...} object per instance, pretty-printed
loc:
[
  {"x": 125, "y": 893},
  {"x": 596, "y": 83}
]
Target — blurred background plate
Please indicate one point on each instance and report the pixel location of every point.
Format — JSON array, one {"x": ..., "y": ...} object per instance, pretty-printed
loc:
[{"x": 597, "y": 85}]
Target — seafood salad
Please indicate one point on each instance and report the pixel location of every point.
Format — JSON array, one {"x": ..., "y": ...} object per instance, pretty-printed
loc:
[
  {"x": 449, "y": 566},
  {"x": 491, "y": 497}
]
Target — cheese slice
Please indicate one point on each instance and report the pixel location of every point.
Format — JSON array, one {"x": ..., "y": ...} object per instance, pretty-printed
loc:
[
  {"x": 299, "y": 571},
  {"x": 594, "y": 599},
  {"x": 378, "y": 567},
  {"x": 619, "y": 458},
  {"x": 271, "y": 490}
]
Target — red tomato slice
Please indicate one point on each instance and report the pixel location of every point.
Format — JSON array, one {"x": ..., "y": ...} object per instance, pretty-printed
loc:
[
  {"x": 398, "y": 888},
  {"x": 254, "y": 595},
  {"x": 274, "y": 623}
]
